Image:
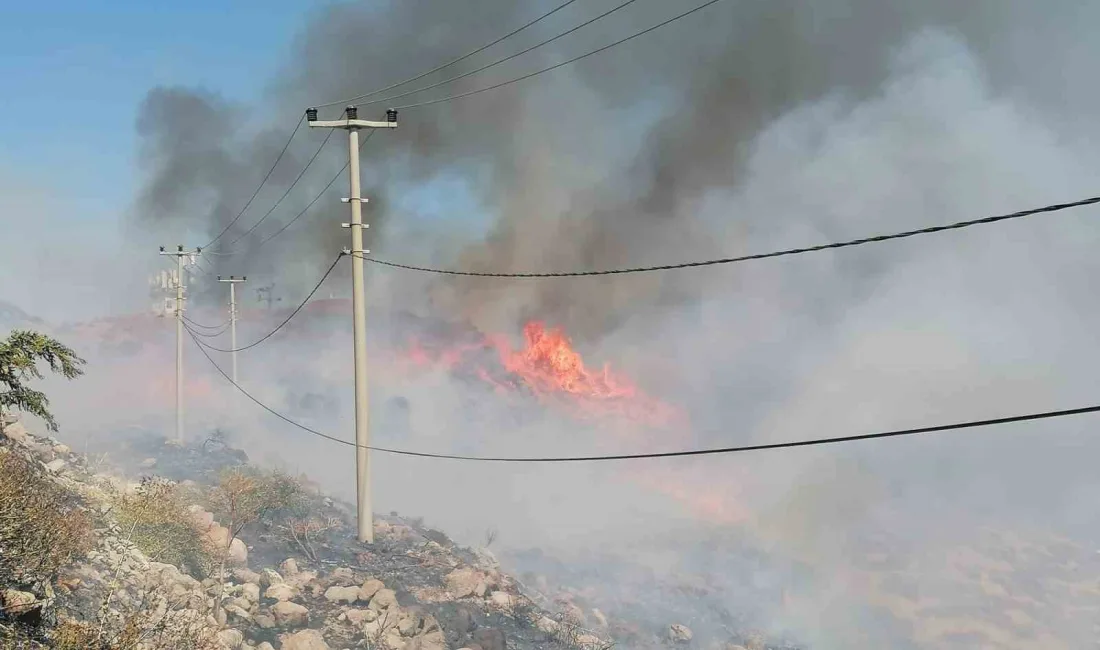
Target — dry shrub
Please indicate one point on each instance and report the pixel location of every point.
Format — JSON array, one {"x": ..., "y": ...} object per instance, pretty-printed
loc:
[
  {"x": 155, "y": 518},
  {"x": 303, "y": 533},
  {"x": 42, "y": 526},
  {"x": 137, "y": 631},
  {"x": 155, "y": 621}
]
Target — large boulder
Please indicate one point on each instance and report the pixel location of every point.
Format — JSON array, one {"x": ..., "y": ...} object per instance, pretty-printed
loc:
[
  {"x": 369, "y": 589},
  {"x": 304, "y": 640},
  {"x": 230, "y": 639},
  {"x": 288, "y": 614},
  {"x": 342, "y": 594},
  {"x": 281, "y": 592},
  {"x": 463, "y": 582},
  {"x": 384, "y": 599}
]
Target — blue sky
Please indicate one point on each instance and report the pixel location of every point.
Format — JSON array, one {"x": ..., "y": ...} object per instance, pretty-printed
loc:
[
  {"x": 74, "y": 73},
  {"x": 72, "y": 77}
]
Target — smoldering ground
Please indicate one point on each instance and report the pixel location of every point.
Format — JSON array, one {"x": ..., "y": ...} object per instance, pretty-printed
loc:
[{"x": 752, "y": 127}]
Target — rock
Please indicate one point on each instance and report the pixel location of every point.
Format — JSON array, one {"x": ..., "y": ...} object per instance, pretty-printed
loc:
[
  {"x": 384, "y": 599},
  {"x": 250, "y": 592},
  {"x": 264, "y": 621},
  {"x": 585, "y": 640},
  {"x": 16, "y": 432},
  {"x": 463, "y": 582},
  {"x": 238, "y": 612},
  {"x": 547, "y": 625},
  {"x": 409, "y": 624},
  {"x": 290, "y": 614},
  {"x": 428, "y": 642},
  {"x": 358, "y": 617},
  {"x": 289, "y": 567},
  {"x": 301, "y": 579},
  {"x": 148, "y": 463},
  {"x": 202, "y": 519},
  {"x": 270, "y": 577},
  {"x": 679, "y": 633},
  {"x": 503, "y": 600},
  {"x": 281, "y": 592},
  {"x": 393, "y": 641},
  {"x": 265, "y": 646},
  {"x": 246, "y": 576},
  {"x": 231, "y": 639},
  {"x": 304, "y": 640},
  {"x": 55, "y": 465},
  {"x": 489, "y": 639},
  {"x": 238, "y": 553},
  {"x": 62, "y": 449},
  {"x": 342, "y": 577},
  {"x": 18, "y": 602},
  {"x": 369, "y": 589},
  {"x": 342, "y": 594}
]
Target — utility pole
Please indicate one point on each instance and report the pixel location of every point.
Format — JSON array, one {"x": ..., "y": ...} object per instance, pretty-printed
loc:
[
  {"x": 180, "y": 254},
  {"x": 352, "y": 124},
  {"x": 232, "y": 281}
]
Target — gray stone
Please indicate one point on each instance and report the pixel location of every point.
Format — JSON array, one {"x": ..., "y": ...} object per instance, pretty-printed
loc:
[{"x": 679, "y": 633}]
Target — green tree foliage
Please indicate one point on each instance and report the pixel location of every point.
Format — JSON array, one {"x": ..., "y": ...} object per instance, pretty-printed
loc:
[{"x": 20, "y": 355}]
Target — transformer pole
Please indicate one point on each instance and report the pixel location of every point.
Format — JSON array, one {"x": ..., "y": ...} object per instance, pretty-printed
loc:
[
  {"x": 180, "y": 254},
  {"x": 352, "y": 124}
]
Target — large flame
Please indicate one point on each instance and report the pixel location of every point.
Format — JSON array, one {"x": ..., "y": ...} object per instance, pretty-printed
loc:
[{"x": 548, "y": 367}]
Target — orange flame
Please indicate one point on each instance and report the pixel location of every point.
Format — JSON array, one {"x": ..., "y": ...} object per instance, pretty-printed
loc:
[{"x": 549, "y": 367}]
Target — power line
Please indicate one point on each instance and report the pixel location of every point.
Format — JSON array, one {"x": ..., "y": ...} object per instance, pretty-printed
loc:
[
  {"x": 896, "y": 433},
  {"x": 211, "y": 335},
  {"x": 558, "y": 65},
  {"x": 757, "y": 256},
  {"x": 287, "y": 192},
  {"x": 500, "y": 61},
  {"x": 452, "y": 61},
  {"x": 319, "y": 195},
  {"x": 210, "y": 327},
  {"x": 260, "y": 186},
  {"x": 288, "y": 318}
]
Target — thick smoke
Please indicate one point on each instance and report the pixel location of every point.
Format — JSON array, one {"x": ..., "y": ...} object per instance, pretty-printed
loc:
[{"x": 748, "y": 127}]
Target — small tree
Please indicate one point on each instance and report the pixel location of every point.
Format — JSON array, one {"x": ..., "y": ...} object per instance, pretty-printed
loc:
[
  {"x": 244, "y": 496},
  {"x": 19, "y": 357}
]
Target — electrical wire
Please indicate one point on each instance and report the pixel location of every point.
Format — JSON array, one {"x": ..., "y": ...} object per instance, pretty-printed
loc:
[
  {"x": 756, "y": 256},
  {"x": 262, "y": 182},
  {"x": 558, "y": 65},
  {"x": 479, "y": 50},
  {"x": 896, "y": 433},
  {"x": 500, "y": 61},
  {"x": 211, "y": 335},
  {"x": 319, "y": 195},
  {"x": 288, "y": 318},
  {"x": 210, "y": 327},
  {"x": 287, "y": 192}
]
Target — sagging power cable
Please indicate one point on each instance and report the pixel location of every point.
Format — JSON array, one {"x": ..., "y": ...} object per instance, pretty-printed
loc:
[
  {"x": 896, "y": 433},
  {"x": 756, "y": 256}
]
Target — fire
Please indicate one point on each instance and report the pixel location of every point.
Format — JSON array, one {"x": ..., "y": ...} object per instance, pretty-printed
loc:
[{"x": 548, "y": 367}]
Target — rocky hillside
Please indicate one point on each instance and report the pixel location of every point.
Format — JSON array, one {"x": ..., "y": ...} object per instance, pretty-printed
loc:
[{"x": 200, "y": 558}]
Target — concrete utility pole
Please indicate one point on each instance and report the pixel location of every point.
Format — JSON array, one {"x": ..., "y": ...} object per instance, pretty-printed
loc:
[
  {"x": 352, "y": 124},
  {"x": 233, "y": 280},
  {"x": 180, "y": 254}
]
